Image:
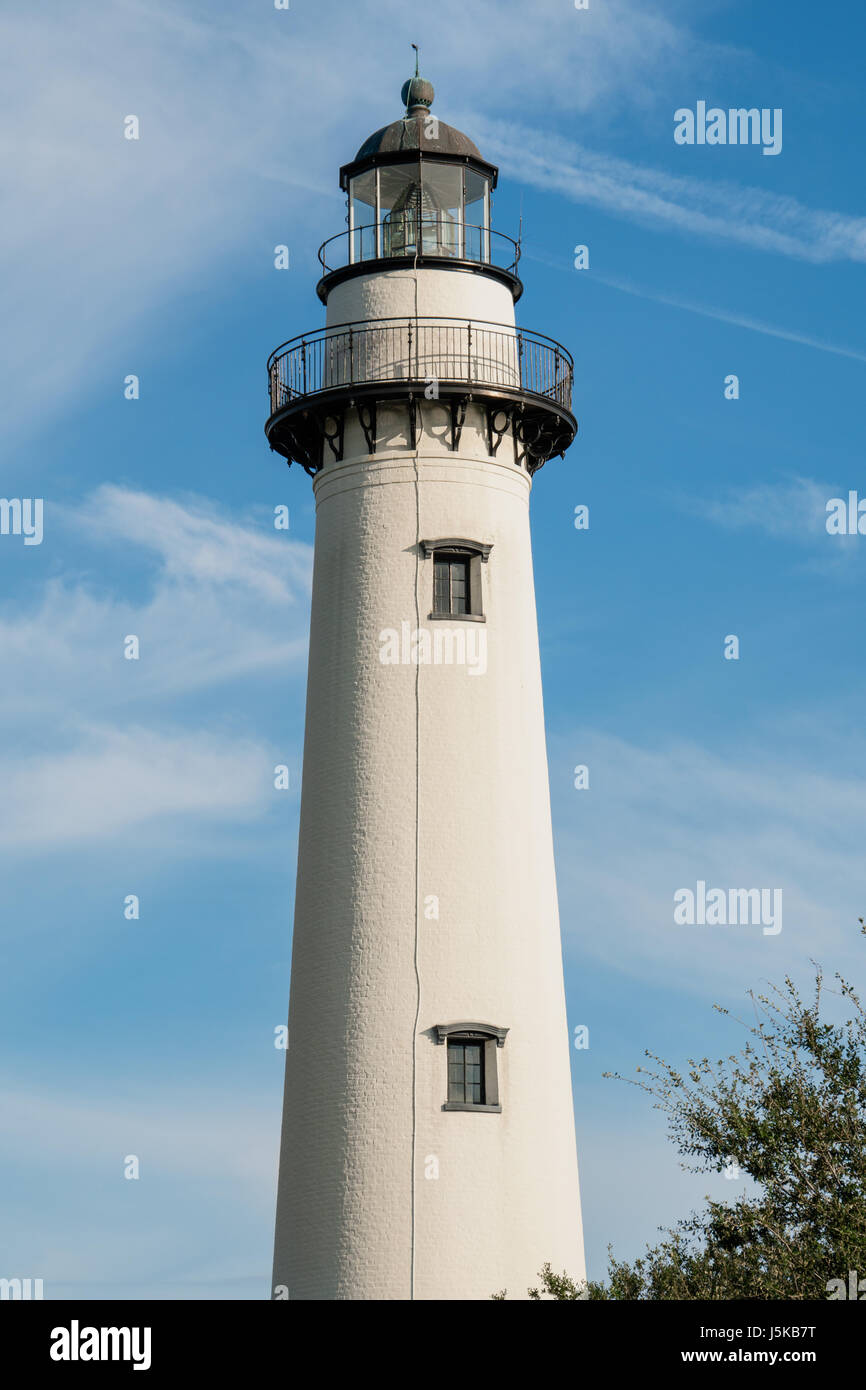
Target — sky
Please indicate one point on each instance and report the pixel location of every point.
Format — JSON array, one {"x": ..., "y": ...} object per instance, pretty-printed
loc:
[{"x": 154, "y": 1036}]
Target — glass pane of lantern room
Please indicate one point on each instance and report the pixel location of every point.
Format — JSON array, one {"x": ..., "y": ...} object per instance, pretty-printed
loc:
[
  {"x": 477, "y": 216},
  {"x": 441, "y": 208},
  {"x": 362, "y": 217},
  {"x": 399, "y": 207}
]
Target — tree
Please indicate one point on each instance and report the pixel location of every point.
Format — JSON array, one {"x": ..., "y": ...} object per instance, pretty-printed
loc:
[{"x": 790, "y": 1111}]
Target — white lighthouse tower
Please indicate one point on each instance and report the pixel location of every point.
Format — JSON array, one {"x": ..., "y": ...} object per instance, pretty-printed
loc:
[{"x": 428, "y": 1145}]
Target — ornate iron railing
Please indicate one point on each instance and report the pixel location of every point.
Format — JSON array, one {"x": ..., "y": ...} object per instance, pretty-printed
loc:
[
  {"x": 426, "y": 236},
  {"x": 421, "y": 351}
]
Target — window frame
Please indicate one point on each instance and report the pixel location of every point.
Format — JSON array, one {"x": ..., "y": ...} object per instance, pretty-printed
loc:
[
  {"x": 476, "y": 554},
  {"x": 491, "y": 1039}
]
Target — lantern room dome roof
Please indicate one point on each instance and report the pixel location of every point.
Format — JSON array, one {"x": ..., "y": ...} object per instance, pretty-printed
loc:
[{"x": 410, "y": 133}]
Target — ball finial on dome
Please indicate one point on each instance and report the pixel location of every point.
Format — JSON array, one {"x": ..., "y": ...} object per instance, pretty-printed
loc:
[{"x": 417, "y": 93}]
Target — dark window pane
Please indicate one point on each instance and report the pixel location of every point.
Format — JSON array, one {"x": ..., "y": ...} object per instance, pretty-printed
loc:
[
  {"x": 441, "y": 587},
  {"x": 456, "y": 1087},
  {"x": 460, "y": 586},
  {"x": 466, "y": 1072},
  {"x": 451, "y": 584}
]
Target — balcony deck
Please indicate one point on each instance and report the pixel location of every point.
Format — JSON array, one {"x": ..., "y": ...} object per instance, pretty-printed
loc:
[{"x": 526, "y": 376}]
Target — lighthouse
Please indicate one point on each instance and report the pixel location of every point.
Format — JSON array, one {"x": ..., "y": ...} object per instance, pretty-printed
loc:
[{"x": 428, "y": 1147}]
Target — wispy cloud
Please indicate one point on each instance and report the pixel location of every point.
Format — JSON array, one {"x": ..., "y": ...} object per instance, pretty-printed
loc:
[
  {"x": 788, "y": 335},
  {"x": 550, "y": 57},
  {"x": 652, "y": 197},
  {"x": 794, "y": 508},
  {"x": 673, "y": 301},
  {"x": 224, "y": 597},
  {"x": 140, "y": 220},
  {"x": 656, "y": 820},
  {"x": 118, "y": 779},
  {"x": 196, "y": 542},
  {"x": 791, "y": 509},
  {"x": 102, "y": 743}
]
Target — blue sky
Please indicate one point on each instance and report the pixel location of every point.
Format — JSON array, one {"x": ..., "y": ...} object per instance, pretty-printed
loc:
[{"x": 707, "y": 517}]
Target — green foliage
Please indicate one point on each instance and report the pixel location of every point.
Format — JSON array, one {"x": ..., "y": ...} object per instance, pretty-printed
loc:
[{"x": 790, "y": 1111}]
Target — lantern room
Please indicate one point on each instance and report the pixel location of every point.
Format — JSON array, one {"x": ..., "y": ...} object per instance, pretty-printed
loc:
[{"x": 418, "y": 190}]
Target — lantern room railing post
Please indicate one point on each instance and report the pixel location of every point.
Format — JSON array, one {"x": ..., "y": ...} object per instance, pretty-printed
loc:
[{"x": 469, "y": 352}]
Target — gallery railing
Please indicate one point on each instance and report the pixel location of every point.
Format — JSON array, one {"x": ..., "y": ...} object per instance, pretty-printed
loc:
[{"x": 421, "y": 351}]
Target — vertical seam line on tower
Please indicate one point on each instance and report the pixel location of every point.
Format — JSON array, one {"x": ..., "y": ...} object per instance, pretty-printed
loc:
[{"x": 417, "y": 813}]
